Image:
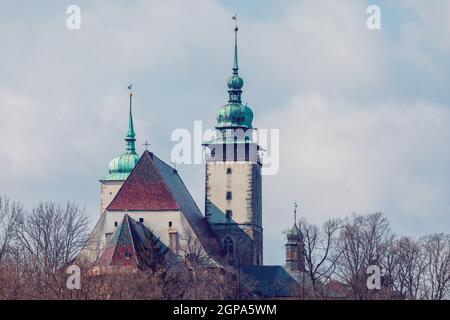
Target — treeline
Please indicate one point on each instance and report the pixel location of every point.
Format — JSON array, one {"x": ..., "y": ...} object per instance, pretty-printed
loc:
[
  {"x": 38, "y": 245},
  {"x": 338, "y": 254}
]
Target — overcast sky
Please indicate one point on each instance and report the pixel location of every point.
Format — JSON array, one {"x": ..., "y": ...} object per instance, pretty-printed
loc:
[{"x": 364, "y": 116}]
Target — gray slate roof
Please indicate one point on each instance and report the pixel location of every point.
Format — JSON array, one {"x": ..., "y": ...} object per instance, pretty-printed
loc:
[
  {"x": 271, "y": 281},
  {"x": 189, "y": 209}
]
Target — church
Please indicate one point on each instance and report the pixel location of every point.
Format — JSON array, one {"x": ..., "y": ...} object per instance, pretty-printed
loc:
[{"x": 146, "y": 209}]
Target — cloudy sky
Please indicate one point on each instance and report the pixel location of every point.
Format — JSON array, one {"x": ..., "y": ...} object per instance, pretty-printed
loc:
[{"x": 364, "y": 116}]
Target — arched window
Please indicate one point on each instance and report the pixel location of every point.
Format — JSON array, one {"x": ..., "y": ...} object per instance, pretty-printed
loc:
[{"x": 228, "y": 248}]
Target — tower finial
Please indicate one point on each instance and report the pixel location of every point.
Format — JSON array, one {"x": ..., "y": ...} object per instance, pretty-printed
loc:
[
  {"x": 235, "y": 83},
  {"x": 131, "y": 136},
  {"x": 236, "y": 29},
  {"x": 295, "y": 214}
]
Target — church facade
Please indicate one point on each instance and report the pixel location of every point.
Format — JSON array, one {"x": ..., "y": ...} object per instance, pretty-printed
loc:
[{"x": 145, "y": 206}]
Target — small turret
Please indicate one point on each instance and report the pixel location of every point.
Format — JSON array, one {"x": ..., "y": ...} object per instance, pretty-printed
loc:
[{"x": 295, "y": 259}]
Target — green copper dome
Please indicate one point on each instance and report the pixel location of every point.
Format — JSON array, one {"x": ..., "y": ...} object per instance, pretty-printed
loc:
[
  {"x": 235, "y": 114},
  {"x": 121, "y": 166},
  {"x": 235, "y": 82}
]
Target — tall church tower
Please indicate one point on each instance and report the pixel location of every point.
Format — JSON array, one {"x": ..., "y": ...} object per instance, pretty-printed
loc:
[
  {"x": 233, "y": 204},
  {"x": 121, "y": 166}
]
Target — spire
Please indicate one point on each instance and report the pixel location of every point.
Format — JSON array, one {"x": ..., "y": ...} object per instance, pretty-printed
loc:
[
  {"x": 295, "y": 214},
  {"x": 130, "y": 137},
  {"x": 236, "y": 63},
  {"x": 235, "y": 83}
]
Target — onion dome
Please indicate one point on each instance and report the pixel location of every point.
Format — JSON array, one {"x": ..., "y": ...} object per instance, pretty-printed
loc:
[
  {"x": 235, "y": 82},
  {"x": 121, "y": 167},
  {"x": 294, "y": 234},
  {"x": 234, "y": 115}
]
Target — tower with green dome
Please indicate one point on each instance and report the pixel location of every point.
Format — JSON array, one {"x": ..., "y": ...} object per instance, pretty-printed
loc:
[
  {"x": 233, "y": 197},
  {"x": 120, "y": 167}
]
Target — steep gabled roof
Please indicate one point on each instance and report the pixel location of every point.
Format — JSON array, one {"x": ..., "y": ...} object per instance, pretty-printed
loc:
[
  {"x": 153, "y": 185},
  {"x": 189, "y": 208},
  {"x": 144, "y": 190},
  {"x": 130, "y": 245}
]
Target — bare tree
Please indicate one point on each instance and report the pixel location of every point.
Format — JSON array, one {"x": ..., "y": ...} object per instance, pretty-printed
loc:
[
  {"x": 320, "y": 260},
  {"x": 436, "y": 280},
  {"x": 193, "y": 253},
  {"x": 10, "y": 213},
  {"x": 364, "y": 241},
  {"x": 52, "y": 234},
  {"x": 50, "y": 238},
  {"x": 198, "y": 276},
  {"x": 404, "y": 267}
]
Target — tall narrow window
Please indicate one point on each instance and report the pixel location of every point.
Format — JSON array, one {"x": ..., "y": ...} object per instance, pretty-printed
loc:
[
  {"x": 228, "y": 248},
  {"x": 229, "y": 214},
  {"x": 229, "y": 171},
  {"x": 229, "y": 195}
]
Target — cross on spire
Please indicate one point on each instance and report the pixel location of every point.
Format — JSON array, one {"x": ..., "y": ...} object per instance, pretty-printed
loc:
[
  {"x": 295, "y": 214},
  {"x": 146, "y": 145}
]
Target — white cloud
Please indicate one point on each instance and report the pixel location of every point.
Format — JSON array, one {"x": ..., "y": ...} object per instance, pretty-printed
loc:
[{"x": 320, "y": 45}]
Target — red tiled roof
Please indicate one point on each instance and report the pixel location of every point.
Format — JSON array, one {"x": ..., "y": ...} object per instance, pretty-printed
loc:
[
  {"x": 128, "y": 245},
  {"x": 121, "y": 250},
  {"x": 144, "y": 190}
]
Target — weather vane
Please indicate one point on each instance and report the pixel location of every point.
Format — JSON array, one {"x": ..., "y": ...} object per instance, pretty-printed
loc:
[
  {"x": 236, "y": 28},
  {"x": 130, "y": 87}
]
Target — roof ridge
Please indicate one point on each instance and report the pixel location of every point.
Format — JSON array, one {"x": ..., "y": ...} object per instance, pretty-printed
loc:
[
  {"x": 159, "y": 173},
  {"x": 184, "y": 185},
  {"x": 127, "y": 217}
]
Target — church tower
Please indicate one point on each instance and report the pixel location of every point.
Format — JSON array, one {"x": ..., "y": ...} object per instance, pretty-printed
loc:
[
  {"x": 121, "y": 166},
  {"x": 233, "y": 204}
]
